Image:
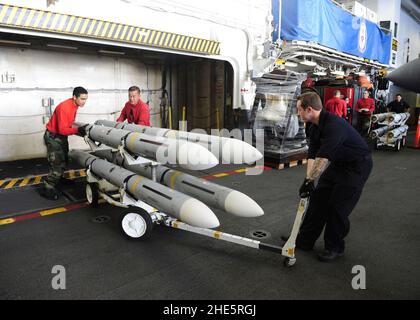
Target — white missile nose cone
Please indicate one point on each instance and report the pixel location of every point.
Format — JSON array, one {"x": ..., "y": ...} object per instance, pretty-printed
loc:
[
  {"x": 197, "y": 214},
  {"x": 235, "y": 151},
  {"x": 254, "y": 155},
  {"x": 195, "y": 157},
  {"x": 241, "y": 205}
]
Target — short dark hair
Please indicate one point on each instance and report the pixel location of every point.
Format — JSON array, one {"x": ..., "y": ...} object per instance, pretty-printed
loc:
[
  {"x": 310, "y": 99},
  {"x": 134, "y": 88},
  {"x": 78, "y": 91},
  {"x": 398, "y": 94}
]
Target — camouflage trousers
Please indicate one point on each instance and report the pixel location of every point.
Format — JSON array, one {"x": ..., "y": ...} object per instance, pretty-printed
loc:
[{"x": 57, "y": 156}]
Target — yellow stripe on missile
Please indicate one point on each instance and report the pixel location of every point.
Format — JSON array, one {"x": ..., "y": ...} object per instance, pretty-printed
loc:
[
  {"x": 133, "y": 138},
  {"x": 173, "y": 178},
  {"x": 136, "y": 183}
]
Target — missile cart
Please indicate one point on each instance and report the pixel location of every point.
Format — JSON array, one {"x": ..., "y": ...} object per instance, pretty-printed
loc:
[
  {"x": 110, "y": 183},
  {"x": 392, "y": 130}
]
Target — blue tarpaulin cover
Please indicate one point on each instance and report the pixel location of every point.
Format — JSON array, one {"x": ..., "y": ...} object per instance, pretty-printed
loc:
[{"x": 323, "y": 22}]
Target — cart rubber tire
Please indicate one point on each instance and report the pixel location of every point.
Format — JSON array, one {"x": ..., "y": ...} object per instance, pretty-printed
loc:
[
  {"x": 136, "y": 223},
  {"x": 92, "y": 194},
  {"x": 404, "y": 141},
  {"x": 289, "y": 262},
  {"x": 398, "y": 146}
]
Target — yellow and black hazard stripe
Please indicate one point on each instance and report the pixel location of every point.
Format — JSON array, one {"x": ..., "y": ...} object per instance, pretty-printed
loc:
[
  {"x": 34, "y": 180},
  {"x": 47, "y": 21}
]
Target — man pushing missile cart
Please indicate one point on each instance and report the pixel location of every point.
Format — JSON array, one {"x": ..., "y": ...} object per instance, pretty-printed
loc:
[{"x": 341, "y": 162}]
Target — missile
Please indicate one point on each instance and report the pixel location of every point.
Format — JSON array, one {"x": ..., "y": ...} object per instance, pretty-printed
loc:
[
  {"x": 379, "y": 132},
  {"x": 226, "y": 199},
  {"x": 187, "y": 154},
  {"x": 227, "y": 150},
  {"x": 397, "y": 132},
  {"x": 381, "y": 117},
  {"x": 407, "y": 76},
  {"x": 177, "y": 204},
  {"x": 399, "y": 117}
]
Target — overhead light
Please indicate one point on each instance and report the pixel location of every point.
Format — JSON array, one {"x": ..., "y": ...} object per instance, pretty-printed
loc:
[
  {"x": 59, "y": 46},
  {"x": 360, "y": 73},
  {"x": 320, "y": 73},
  {"x": 308, "y": 63},
  {"x": 337, "y": 72},
  {"x": 291, "y": 64},
  {"x": 112, "y": 52},
  {"x": 15, "y": 42}
]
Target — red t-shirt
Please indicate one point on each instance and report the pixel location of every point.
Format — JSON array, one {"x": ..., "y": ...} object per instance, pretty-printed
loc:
[
  {"x": 368, "y": 103},
  {"x": 63, "y": 118},
  {"x": 336, "y": 106},
  {"x": 138, "y": 114}
]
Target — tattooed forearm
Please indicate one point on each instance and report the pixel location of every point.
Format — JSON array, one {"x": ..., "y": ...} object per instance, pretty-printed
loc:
[{"x": 318, "y": 167}]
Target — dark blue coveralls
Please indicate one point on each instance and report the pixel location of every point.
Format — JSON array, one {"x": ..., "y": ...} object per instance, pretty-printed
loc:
[{"x": 339, "y": 186}]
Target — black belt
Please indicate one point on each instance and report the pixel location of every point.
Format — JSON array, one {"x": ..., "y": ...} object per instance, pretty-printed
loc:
[
  {"x": 55, "y": 135},
  {"x": 354, "y": 162}
]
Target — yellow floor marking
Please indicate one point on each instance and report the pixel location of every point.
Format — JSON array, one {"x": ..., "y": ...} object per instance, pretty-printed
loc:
[
  {"x": 38, "y": 180},
  {"x": 52, "y": 211},
  {"x": 6, "y": 221},
  {"x": 218, "y": 175},
  {"x": 72, "y": 174},
  {"x": 11, "y": 183},
  {"x": 24, "y": 182}
]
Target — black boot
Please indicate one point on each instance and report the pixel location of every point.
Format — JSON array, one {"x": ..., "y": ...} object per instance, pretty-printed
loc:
[
  {"x": 49, "y": 193},
  {"x": 329, "y": 256},
  {"x": 66, "y": 182}
]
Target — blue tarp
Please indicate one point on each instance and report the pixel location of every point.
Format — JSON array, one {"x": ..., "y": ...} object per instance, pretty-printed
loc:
[{"x": 323, "y": 22}]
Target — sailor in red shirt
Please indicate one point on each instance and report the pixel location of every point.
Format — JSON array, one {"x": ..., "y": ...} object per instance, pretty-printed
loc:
[
  {"x": 135, "y": 111},
  {"x": 364, "y": 108},
  {"x": 336, "y": 105},
  {"x": 58, "y": 129}
]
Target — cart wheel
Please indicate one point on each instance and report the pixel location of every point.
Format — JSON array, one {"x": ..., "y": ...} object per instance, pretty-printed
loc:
[
  {"x": 136, "y": 224},
  {"x": 289, "y": 262},
  {"x": 404, "y": 141},
  {"x": 92, "y": 194},
  {"x": 376, "y": 146},
  {"x": 398, "y": 146}
]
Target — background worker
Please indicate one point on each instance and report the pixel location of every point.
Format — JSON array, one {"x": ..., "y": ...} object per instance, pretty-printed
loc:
[
  {"x": 348, "y": 108},
  {"x": 135, "y": 110},
  {"x": 336, "y": 105},
  {"x": 335, "y": 142},
  {"x": 56, "y": 139},
  {"x": 398, "y": 105},
  {"x": 364, "y": 108}
]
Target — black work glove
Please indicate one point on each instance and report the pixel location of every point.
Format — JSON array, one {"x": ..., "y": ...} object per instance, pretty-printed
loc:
[
  {"x": 307, "y": 188},
  {"x": 82, "y": 130}
]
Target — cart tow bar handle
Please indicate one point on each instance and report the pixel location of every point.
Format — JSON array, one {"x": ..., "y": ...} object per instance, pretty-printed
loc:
[{"x": 289, "y": 246}]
